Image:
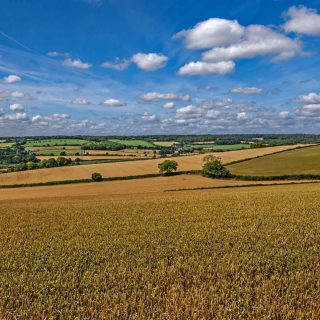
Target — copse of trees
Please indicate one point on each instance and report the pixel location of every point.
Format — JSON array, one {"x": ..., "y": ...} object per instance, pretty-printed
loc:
[
  {"x": 213, "y": 167},
  {"x": 45, "y": 163},
  {"x": 168, "y": 167}
]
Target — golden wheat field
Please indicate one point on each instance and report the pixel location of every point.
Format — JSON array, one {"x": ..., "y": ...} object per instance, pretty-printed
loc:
[
  {"x": 126, "y": 168},
  {"x": 129, "y": 188},
  {"x": 239, "y": 253}
]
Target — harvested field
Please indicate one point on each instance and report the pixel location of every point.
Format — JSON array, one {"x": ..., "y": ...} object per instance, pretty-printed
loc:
[
  {"x": 136, "y": 153},
  {"x": 86, "y": 157},
  {"x": 164, "y": 143},
  {"x": 122, "y": 169},
  {"x": 250, "y": 253}
]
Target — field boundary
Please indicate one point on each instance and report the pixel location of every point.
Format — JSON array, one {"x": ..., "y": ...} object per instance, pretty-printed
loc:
[
  {"x": 244, "y": 186},
  {"x": 61, "y": 182}
]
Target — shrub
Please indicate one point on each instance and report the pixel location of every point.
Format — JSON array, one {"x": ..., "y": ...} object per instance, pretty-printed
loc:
[
  {"x": 213, "y": 167},
  {"x": 167, "y": 166},
  {"x": 96, "y": 176}
]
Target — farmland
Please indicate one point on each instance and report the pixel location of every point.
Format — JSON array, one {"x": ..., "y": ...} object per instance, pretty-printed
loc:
[
  {"x": 219, "y": 147},
  {"x": 133, "y": 143},
  {"x": 125, "y": 168},
  {"x": 209, "y": 254},
  {"x": 55, "y": 142},
  {"x": 299, "y": 161}
]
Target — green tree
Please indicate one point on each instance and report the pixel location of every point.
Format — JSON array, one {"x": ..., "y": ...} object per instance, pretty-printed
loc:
[
  {"x": 43, "y": 163},
  {"x": 167, "y": 166},
  {"x": 51, "y": 163},
  {"x": 213, "y": 167},
  {"x": 96, "y": 176},
  {"x": 31, "y": 165}
]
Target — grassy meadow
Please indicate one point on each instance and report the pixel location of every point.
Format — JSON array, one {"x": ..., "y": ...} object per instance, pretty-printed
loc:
[
  {"x": 250, "y": 253},
  {"x": 226, "y": 147},
  {"x": 55, "y": 142},
  {"x": 298, "y": 161}
]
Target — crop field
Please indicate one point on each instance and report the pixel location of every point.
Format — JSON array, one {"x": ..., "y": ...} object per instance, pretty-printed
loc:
[
  {"x": 123, "y": 169},
  {"x": 133, "y": 143},
  {"x": 209, "y": 254},
  {"x": 219, "y": 147},
  {"x": 55, "y": 142},
  {"x": 140, "y": 153},
  {"x": 299, "y": 161},
  {"x": 164, "y": 143}
]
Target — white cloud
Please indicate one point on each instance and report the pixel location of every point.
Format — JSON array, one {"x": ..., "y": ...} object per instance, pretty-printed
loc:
[
  {"x": 247, "y": 90},
  {"x": 80, "y": 101},
  {"x": 188, "y": 112},
  {"x": 149, "y": 117},
  {"x": 149, "y": 61},
  {"x": 16, "y": 107},
  {"x": 57, "y": 54},
  {"x": 212, "y": 104},
  {"x": 19, "y": 116},
  {"x": 211, "y": 33},
  {"x": 257, "y": 40},
  {"x": 112, "y": 103},
  {"x": 212, "y": 114},
  {"x": 8, "y": 95},
  {"x": 309, "y": 98},
  {"x": 302, "y": 20},
  {"x": 169, "y": 105},
  {"x": 12, "y": 78},
  {"x": 242, "y": 116},
  {"x": 50, "y": 118},
  {"x": 284, "y": 114},
  {"x": 76, "y": 63},
  {"x": 206, "y": 68},
  {"x": 118, "y": 64},
  {"x": 156, "y": 96}
]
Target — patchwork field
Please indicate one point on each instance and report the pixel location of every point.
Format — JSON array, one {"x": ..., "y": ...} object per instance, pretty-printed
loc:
[
  {"x": 133, "y": 143},
  {"x": 55, "y": 142},
  {"x": 299, "y": 161},
  {"x": 219, "y": 147},
  {"x": 164, "y": 143},
  {"x": 136, "y": 153},
  {"x": 124, "y": 168},
  {"x": 249, "y": 253}
]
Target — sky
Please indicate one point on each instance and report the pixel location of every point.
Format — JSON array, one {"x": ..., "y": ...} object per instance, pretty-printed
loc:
[{"x": 138, "y": 67}]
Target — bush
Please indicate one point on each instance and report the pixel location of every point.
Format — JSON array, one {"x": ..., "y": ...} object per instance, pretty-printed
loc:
[
  {"x": 167, "y": 166},
  {"x": 213, "y": 167},
  {"x": 96, "y": 176}
]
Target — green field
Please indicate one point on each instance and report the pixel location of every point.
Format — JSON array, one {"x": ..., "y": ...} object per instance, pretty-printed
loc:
[
  {"x": 56, "y": 142},
  {"x": 222, "y": 254},
  {"x": 133, "y": 143},
  {"x": 299, "y": 161},
  {"x": 219, "y": 147}
]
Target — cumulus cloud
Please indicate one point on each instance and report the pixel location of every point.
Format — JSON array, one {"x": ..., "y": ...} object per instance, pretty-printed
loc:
[
  {"x": 205, "y": 68},
  {"x": 309, "y": 98},
  {"x": 247, "y": 90},
  {"x": 12, "y": 78},
  {"x": 76, "y": 63},
  {"x": 156, "y": 96},
  {"x": 112, "y": 103},
  {"x": 16, "y": 95},
  {"x": 284, "y": 114},
  {"x": 242, "y": 116},
  {"x": 309, "y": 111},
  {"x": 169, "y": 105},
  {"x": 149, "y": 61},
  {"x": 257, "y": 41},
  {"x": 213, "y": 104},
  {"x": 118, "y": 64},
  {"x": 19, "y": 116},
  {"x": 302, "y": 20},
  {"x": 16, "y": 107},
  {"x": 149, "y": 117},
  {"x": 80, "y": 101},
  {"x": 211, "y": 33},
  {"x": 56, "y": 117},
  {"x": 188, "y": 112}
]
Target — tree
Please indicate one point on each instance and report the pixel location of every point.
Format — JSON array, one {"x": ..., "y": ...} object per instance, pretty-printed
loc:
[
  {"x": 51, "y": 163},
  {"x": 213, "y": 167},
  {"x": 31, "y": 165},
  {"x": 96, "y": 176},
  {"x": 167, "y": 166}
]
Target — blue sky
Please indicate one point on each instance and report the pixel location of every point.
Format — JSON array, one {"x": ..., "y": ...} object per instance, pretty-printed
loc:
[{"x": 115, "y": 67}]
